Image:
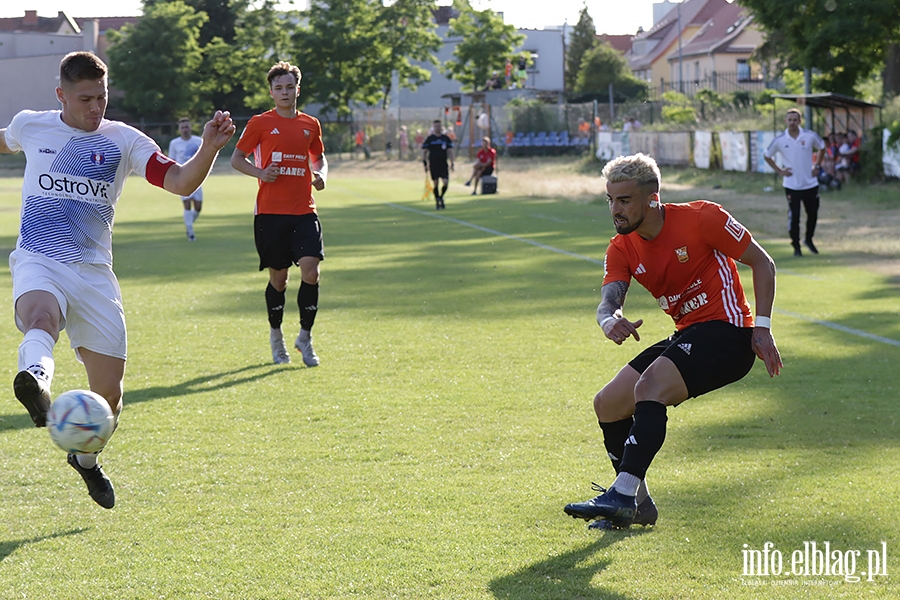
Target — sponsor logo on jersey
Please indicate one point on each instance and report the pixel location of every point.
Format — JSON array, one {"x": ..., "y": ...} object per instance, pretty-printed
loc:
[
  {"x": 46, "y": 151},
  {"x": 275, "y": 131},
  {"x": 693, "y": 304},
  {"x": 78, "y": 188},
  {"x": 276, "y": 157},
  {"x": 295, "y": 171},
  {"x": 682, "y": 254},
  {"x": 663, "y": 302},
  {"x": 640, "y": 269}
]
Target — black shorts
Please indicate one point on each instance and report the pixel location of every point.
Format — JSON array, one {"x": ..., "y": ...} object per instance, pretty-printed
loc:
[
  {"x": 439, "y": 171},
  {"x": 708, "y": 355},
  {"x": 282, "y": 240},
  {"x": 488, "y": 170}
]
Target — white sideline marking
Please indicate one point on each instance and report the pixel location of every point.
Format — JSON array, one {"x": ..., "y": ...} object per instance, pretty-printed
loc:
[
  {"x": 837, "y": 326},
  {"x": 498, "y": 233}
]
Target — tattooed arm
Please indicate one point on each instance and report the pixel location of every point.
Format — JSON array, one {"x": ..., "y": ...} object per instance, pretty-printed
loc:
[{"x": 609, "y": 313}]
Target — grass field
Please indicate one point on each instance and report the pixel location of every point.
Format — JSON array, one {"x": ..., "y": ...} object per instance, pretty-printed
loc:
[{"x": 431, "y": 453}]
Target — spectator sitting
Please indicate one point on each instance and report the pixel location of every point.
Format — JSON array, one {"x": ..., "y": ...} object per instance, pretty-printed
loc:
[
  {"x": 484, "y": 165},
  {"x": 826, "y": 173}
]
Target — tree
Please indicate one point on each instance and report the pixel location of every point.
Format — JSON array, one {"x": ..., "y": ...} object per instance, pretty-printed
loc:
[
  {"x": 335, "y": 50},
  {"x": 584, "y": 38},
  {"x": 485, "y": 45},
  {"x": 406, "y": 32},
  {"x": 603, "y": 65},
  {"x": 156, "y": 62},
  {"x": 844, "y": 41}
]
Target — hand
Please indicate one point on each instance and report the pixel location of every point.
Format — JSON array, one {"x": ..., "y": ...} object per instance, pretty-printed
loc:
[
  {"x": 270, "y": 173},
  {"x": 763, "y": 345},
  {"x": 787, "y": 172},
  {"x": 218, "y": 130},
  {"x": 318, "y": 182},
  {"x": 619, "y": 329}
]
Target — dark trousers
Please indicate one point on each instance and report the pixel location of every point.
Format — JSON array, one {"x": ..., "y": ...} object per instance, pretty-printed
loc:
[{"x": 810, "y": 200}]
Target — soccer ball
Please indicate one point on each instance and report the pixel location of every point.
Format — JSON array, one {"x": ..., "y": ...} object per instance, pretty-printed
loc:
[{"x": 80, "y": 422}]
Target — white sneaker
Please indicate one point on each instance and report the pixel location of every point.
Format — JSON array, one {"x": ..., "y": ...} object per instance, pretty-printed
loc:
[
  {"x": 279, "y": 349},
  {"x": 303, "y": 343}
]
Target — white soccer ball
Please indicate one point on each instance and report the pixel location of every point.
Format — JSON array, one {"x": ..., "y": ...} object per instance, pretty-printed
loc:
[{"x": 80, "y": 422}]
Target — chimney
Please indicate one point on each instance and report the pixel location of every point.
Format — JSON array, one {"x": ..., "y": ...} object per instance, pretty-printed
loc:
[{"x": 31, "y": 17}]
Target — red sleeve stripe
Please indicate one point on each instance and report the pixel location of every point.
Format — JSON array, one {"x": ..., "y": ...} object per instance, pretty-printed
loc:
[{"x": 157, "y": 167}]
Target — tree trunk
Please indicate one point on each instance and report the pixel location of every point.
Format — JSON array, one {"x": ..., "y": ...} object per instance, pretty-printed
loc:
[{"x": 891, "y": 73}]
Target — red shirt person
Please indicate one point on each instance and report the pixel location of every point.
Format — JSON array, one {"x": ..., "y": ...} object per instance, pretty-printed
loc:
[{"x": 486, "y": 159}]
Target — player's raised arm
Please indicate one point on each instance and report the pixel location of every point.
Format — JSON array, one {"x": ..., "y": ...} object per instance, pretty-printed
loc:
[
  {"x": 185, "y": 179},
  {"x": 763, "y": 268},
  {"x": 609, "y": 313}
]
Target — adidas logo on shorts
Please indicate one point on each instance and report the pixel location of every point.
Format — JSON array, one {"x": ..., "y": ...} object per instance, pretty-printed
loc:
[{"x": 686, "y": 348}]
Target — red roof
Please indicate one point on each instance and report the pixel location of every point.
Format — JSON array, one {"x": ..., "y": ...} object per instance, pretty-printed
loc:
[{"x": 622, "y": 43}]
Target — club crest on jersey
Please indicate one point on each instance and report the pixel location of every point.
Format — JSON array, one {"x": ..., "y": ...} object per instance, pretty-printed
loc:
[
  {"x": 98, "y": 158},
  {"x": 682, "y": 254},
  {"x": 306, "y": 132}
]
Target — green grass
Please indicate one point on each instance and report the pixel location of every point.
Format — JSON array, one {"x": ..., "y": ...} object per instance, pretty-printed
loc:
[{"x": 431, "y": 453}]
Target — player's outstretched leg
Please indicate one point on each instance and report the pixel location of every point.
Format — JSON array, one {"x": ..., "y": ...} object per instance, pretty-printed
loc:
[{"x": 98, "y": 484}]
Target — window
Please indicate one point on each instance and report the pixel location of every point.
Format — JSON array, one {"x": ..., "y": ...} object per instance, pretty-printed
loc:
[{"x": 743, "y": 70}]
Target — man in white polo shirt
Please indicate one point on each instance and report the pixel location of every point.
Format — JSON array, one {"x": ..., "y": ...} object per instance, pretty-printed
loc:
[{"x": 796, "y": 146}]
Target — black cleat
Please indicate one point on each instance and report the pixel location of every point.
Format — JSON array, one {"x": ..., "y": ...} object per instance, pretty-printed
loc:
[
  {"x": 811, "y": 246},
  {"x": 98, "y": 484},
  {"x": 617, "y": 508},
  {"x": 34, "y": 394},
  {"x": 797, "y": 251},
  {"x": 646, "y": 514}
]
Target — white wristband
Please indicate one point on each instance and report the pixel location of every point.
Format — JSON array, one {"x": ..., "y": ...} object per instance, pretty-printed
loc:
[
  {"x": 765, "y": 322},
  {"x": 606, "y": 320}
]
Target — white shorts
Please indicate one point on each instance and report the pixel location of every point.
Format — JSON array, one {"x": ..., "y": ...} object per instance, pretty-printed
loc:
[
  {"x": 89, "y": 298},
  {"x": 196, "y": 196}
]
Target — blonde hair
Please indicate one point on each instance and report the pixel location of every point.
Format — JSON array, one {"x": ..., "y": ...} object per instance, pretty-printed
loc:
[{"x": 637, "y": 167}]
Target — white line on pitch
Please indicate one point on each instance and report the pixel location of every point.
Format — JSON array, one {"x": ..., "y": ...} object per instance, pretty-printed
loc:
[{"x": 837, "y": 326}]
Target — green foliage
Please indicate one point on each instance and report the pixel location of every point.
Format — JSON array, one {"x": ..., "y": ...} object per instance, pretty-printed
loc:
[
  {"x": 485, "y": 42},
  {"x": 843, "y": 41},
  {"x": 583, "y": 39},
  {"x": 262, "y": 39},
  {"x": 533, "y": 116},
  {"x": 678, "y": 108},
  {"x": 156, "y": 62},
  {"x": 766, "y": 96},
  {"x": 405, "y": 32},
  {"x": 601, "y": 66}
]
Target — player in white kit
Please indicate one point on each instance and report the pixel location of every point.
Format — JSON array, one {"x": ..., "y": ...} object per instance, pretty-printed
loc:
[
  {"x": 181, "y": 149},
  {"x": 76, "y": 166}
]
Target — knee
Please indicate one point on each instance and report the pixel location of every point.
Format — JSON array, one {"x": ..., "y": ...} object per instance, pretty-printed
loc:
[{"x": 610, "y": 406}]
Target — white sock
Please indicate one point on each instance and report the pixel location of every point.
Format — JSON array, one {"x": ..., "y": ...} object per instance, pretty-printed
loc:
[
  {"x": 626, "y": 484},
  {"x": 88, "y": 461},
  {"x": 188, "y": 218},
  {"x": 36, "y": 354},
  {"x": 194, "y": 215}
]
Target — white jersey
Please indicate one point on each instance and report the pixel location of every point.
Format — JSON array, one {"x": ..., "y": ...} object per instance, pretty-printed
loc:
[
  {"x": 73, "y": 179},
  {"x": 798, "y": 155},
  {"x": 181, "y": 150}
]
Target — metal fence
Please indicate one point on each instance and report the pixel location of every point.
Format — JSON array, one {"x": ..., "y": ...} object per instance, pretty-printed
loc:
[{"x": 721, "y": 82}]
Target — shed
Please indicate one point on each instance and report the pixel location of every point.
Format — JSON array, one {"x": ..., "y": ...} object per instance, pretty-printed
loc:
[{"x": 835, "y": 113}]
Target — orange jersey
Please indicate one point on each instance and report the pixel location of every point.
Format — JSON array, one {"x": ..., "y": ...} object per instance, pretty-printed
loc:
[
  {"x": 689, "y": 267},
  {"x": 293, "y": 144}
]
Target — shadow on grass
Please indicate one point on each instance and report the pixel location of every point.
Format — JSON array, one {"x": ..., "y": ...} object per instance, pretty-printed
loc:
[
  {"x": 564, "y": 577},
  {"x": 197, "y": 385},
  {"x": 8, "y": 547}
]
